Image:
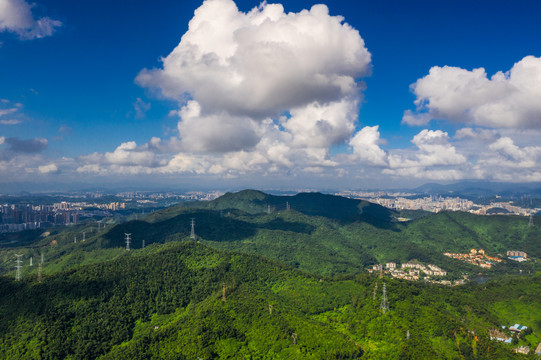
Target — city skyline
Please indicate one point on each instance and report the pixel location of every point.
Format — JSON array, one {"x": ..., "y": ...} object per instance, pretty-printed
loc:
[{"x": 304, "y": 93}]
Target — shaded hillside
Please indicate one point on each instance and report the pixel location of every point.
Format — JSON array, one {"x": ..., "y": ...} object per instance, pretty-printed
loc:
[
  {"x": 354, "y": 235},
  {"x": 312, "y": 204},
  {"x": 315, "y": 244},
  {"x": 166, "y": 301},
  {"x": 325, "y": 246}
]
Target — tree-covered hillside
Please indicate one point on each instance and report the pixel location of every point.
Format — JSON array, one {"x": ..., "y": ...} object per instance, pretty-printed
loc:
[
  {"x": 338, "y": 245},
  {"x": 166, "y": 301},
  {"x": 312, "y": 204},
  {"x": 344, "y": 244},
  {"x": 295, "y": 285}
]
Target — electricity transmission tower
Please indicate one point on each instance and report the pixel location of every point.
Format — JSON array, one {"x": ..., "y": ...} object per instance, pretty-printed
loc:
[
  {"x": 18, "y": 266},
  {"x": 84, "y": 238},
  {"x": 384, "y": 302},
  {"x": 39, "y": 271},
  {"x": 192, "y": 233},
  {"x": 530, "y": 224},
  {"x": 128, "y": 240},
  {"x": 287, "y": 205},
  {"x": 268, "y": 209}
]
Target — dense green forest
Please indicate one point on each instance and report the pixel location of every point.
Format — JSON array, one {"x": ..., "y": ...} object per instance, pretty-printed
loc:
[
  {"x": 167, "y": 302},
  {"x": 359, "y": 234},
  {"x": 295, "y": 280}
]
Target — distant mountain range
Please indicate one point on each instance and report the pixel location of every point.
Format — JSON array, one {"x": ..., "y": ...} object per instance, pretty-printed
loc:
[{"x": 481, "y": 189}]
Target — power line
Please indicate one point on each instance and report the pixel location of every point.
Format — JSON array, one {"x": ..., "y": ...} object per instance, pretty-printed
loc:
[{"x": 128, "y": 241}]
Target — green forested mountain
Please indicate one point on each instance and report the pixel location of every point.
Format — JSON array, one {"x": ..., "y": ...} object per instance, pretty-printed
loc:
[
  {"x": 296, "y": 285},
  {"x": 167, "y": 302},
  {"x": 346, "y": 243},
  {"x": 312, "y": 204}
]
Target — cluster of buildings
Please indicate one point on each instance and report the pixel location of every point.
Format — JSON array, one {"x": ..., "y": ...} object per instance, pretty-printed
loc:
[
  {"x": 28, "y": 217},
  {"x": 476, "y": 257},
  {"x": 403, "y": 201},
  {"x": 201, "y": 195},
  {"x": 506, "y": 337},
  {"x": 16, "y": 217},
  {"x": 430, "y": 203},
  {"x": 372, "y": 194},
  {"x": 188, "y": 196},
  {"x": 507, "y": 206},
  {"x": 412, "y": 270},
  {"x": 519, "y": 256},
  {"x": 78, "y": 206},
  {"x": 113, "y": 206}
]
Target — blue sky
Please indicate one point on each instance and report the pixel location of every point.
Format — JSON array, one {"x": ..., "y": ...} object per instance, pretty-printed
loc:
[{"x": 73, "y": 93}]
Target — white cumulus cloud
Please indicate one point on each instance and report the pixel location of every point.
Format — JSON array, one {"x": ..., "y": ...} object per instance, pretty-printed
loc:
[
  {"x": 217, "y": 132},
  {"x": 261, "y": 91},
  {"x": 365, "y": 146},
  {"x": 512, "y": 155},
  {"x": 506, "y": 100},
  {"x": 435, "y": 158},
  {"x": 263, "y": 62},
  {"x": 317, "y": 125},
  {"x": 48, "y": 169},
  {"x": 16, "y": 16}
]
